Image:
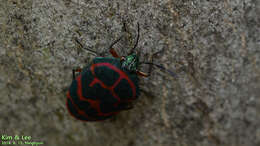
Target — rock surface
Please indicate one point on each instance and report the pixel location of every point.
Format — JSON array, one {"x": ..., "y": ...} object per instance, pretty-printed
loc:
[{"x": 213, "y": 46}]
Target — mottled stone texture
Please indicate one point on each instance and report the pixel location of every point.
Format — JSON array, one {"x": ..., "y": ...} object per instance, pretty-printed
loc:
[{"x": 213, "y": 46}]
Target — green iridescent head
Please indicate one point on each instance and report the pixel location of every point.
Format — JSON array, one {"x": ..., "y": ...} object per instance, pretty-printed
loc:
[{"x": 130, "y": 63}]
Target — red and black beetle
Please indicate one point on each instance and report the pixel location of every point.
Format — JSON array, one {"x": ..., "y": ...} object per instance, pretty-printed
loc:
[{"x": 107, "y": 86}]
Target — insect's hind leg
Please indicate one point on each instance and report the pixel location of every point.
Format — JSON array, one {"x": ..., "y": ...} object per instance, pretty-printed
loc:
[{"x": 125, "y": 106}]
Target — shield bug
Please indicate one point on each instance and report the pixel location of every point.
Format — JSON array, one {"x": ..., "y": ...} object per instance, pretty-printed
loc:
[{"x": 107, "y": 86}]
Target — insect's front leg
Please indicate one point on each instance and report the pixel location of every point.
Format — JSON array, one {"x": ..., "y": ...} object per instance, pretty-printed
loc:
[
  {"x": 142, "y": 74},
  {"x": 112, "y": 50}
]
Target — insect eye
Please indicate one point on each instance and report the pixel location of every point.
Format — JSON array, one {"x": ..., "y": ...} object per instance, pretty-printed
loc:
[{"x": 122, "y": 59}]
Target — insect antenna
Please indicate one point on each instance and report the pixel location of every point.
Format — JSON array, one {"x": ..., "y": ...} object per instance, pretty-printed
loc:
[
  {"x": 137, "y": 39},
  {"x": 116, "y": 41},
  {"x": 161, "y": 67}
]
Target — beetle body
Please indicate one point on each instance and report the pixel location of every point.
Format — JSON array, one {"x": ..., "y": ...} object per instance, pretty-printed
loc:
[
  {"x": 102, "y": 89},
  {"x": 107, "y": 86}
]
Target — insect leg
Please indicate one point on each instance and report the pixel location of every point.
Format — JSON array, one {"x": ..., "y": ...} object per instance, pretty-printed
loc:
[
  {"x": 150, "y": 66},
  {"x": 90, "y": 50},
  {"x": 74, "y": 72},
  {"x": 125, "y": 106},
  {"x": 112, "y": 50},
  {"x": 140, "y": 73},
  {"x": 154, "y": 55}
]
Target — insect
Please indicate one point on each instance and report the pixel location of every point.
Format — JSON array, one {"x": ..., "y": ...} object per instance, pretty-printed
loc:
[{"x": 107, "y": 86}]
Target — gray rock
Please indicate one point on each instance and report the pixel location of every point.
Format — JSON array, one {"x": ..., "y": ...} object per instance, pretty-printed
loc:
[{"x": 213, "y": 46}]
